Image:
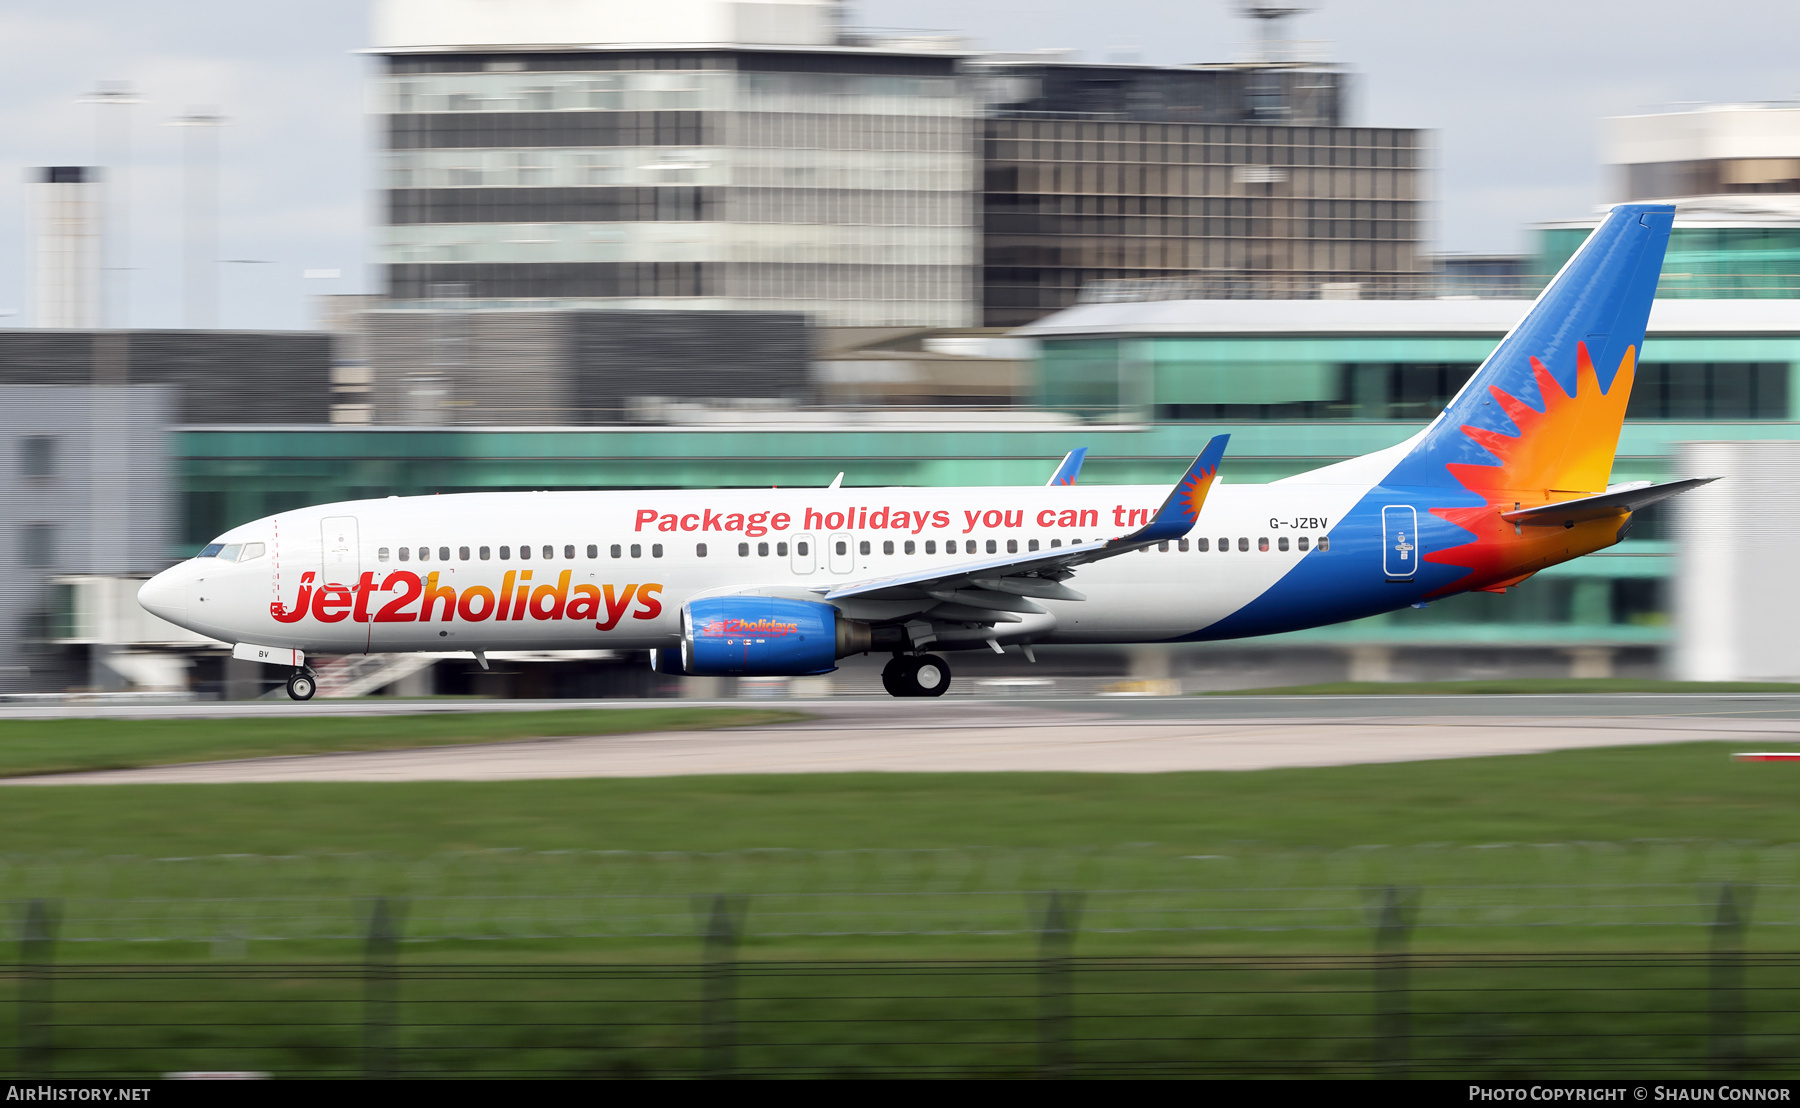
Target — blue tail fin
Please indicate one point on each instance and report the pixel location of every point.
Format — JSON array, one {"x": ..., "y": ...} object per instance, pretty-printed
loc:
[{"x": 1542, "y": 414}]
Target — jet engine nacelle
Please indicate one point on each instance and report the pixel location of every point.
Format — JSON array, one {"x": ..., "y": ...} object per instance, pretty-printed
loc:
[{"x": 766, "y": 636}]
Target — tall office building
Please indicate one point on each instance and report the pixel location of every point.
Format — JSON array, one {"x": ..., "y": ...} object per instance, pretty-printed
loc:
[
  {"x": 1228, "y": 181},
  {"x": 688, "y": 154},
  {"x": 66, "y": 245}
]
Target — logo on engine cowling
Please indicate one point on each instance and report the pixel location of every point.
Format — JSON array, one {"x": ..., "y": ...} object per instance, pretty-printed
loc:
[{"x": 738, "y": 628}]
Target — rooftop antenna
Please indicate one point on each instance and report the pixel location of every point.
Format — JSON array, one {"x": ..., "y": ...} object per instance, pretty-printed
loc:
[{"x": 1268, "y": 26}]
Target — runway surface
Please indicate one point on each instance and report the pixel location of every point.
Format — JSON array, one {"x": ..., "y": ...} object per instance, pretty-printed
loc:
[{"x": 1101, "y": 735}]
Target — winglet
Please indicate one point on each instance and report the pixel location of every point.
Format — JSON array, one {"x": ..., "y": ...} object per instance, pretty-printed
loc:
[
  {"x": 1069, "y": 469},
  {"x": 1177, "y": 515}
]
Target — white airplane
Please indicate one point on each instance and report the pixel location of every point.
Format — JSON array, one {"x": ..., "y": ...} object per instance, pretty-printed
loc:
[{"x": 1511, "y": 478}]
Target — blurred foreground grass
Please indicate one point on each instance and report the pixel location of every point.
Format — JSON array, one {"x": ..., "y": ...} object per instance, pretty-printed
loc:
[
  {"x": 30, "y": 747},
  {"x": 891, "y": 921},
  {"x": 1514, "y": 686}
]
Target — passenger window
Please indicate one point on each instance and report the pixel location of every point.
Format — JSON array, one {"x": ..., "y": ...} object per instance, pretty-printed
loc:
[
  {"x": 781, "y": 549},
  {"x": 762, "y": 550},
  {"x": 1055, "y": 544},
  {"x": 864, "y": 547},
  {"x": 524, "y": 551},
  {"x": 1281, "y": 543},
  {"x": 1224, "y": 545},
  {"x": 594, "y": 551},
  {"x": 1324, "y": 542},
  {"x": 887, "y": 547},
  {"x": 230, "y": 553},
  {"x": 1202, "y": 545},
  {"x": 462, "y": 553},
  {"x": 550, "y": 552},
  {"x": 699, "y": 550},
  {"x": 910, "y": 546},
  {"x": 569, "y": 552},
  {"x": 1302, "y": 542},
  {"x": 382, "y": 554},
  {"x": 424, "y": 553},
  {"x": 486, "y": 552},
  {"x": 614, "y": 551},
  {"x": 743, "y": 550},
  {"x": 1182, "y": 546},
  {"x": 931, "y": 546},
  {"x": 1243, "y": 544},
  {"x": 1012, "y": 546},
  {"x": 843, "y": 548},
  {"x": 406, "y": 553},
  {"x": 1262, "y": 544},
  {"x": 252, "y": 550},
  {"x": 656, "y": 550},
  {"x": 992, "y": 548},
  {"x": 505, "y": 554},
  {"x": 1162, "y": 547},
  {"x": 1032, "y": 546},
  {"x": 949, "y": 546},
  {"x": 443, "y": 553},
  {"x": 637, "y": 551}
]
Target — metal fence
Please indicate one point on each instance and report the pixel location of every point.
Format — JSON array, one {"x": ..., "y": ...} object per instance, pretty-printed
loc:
[
  {"x": 1388, "y": 1011},
  {"x": 1477, "y": 895}
]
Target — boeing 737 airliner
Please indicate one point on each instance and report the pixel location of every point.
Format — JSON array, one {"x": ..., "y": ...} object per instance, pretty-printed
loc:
[{"x": 1510, "y": 478}]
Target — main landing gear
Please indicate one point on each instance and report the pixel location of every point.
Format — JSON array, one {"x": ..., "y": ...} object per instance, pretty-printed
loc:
[
  {"x": 302, "y": 684},
  {"x": 916, "y": 675}
]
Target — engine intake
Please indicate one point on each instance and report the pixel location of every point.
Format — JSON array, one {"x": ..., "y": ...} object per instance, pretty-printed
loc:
[{"x": 765, "y": 636}]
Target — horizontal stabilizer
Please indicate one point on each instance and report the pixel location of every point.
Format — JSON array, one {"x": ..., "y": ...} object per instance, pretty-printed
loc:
[{"x": 1626, "y": 498}]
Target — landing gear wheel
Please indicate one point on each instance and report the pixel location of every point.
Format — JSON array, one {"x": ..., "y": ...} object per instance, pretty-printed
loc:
[
  {"x": 930, "y": 676},
  {"x": 301, "y": 685},
  {"x": 896, "y": 678}
]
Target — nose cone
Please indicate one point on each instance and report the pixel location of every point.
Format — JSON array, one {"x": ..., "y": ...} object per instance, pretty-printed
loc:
[{"x": 165, "y": 596}]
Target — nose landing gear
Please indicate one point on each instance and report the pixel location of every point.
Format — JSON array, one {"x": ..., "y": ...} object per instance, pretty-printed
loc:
[
  {"x": 920, "y": 675},
  {"x": 302, "y": 684}
]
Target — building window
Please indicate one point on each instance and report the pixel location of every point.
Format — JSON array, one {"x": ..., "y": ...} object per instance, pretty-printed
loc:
[
  {"x": 37, "y": 456},
  {"x": 37, "y": 545}
]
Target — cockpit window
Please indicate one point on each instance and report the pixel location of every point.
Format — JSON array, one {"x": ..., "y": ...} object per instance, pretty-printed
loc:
[
  {"x": 231, "y": 552},
  {"x": 210, "y": 550},
  {"x": 251, "y": 550}
]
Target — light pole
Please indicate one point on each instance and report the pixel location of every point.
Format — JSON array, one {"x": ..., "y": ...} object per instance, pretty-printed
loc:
[
  {"x": 200, "y": 217},
  {"x": 112, "y": 102}
]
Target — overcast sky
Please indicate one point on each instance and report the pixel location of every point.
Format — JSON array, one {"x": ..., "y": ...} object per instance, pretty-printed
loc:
[{"x": 1513, "y": 91}]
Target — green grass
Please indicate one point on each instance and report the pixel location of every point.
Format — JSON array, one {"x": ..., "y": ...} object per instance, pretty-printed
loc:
[
  {"x": 1657, "y": 823},
  {"x": 30, "y": 747},
  {"x": 1513, "y": 686}
]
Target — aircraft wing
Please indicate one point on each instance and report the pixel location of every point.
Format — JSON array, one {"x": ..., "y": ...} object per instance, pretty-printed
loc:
[
  {"x": 1069, "y": 468},
  {"x": 1628, "y": 498},
  {"x": 985, "y": 588}
]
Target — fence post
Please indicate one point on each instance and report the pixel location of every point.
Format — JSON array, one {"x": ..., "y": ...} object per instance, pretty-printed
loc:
[
  {"x": 1726, "y": 992},
  {"x": 1056, "y": 937},
  {"x": 37, "y": 968},
  {"x": 381, "y": 989},
  {"x": 718, "y": 998},
  {"x": 1393, "y": 1023}
]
